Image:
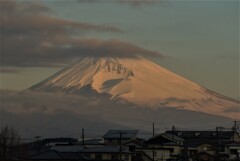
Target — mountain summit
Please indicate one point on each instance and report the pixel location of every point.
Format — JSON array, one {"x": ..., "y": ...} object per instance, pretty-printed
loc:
[{"x": 138, "y": 81}]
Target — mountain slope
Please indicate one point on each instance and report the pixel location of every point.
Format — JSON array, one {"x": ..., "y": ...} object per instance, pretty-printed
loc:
[{"x": 138, "y": 81}]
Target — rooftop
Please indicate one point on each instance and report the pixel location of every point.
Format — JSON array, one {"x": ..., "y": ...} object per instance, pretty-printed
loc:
[
  {"x": 203, "y": 134},
  {"x": 125, "y": 134}
]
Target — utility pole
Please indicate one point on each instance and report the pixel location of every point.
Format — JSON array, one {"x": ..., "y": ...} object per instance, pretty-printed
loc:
[
  {"x": 217, "y": 149},
  {"x": 173, "y": 131},
  {"x": 186, "y": 148},
  {"x": 153, "y": 129},
  {"x": 234, "y": 129},
  {"x": 83, "y": 143},
  {"x": 235, "y": 124},
  {"x": 120, "y": 149},
  {"x": 153, "y": 154}
]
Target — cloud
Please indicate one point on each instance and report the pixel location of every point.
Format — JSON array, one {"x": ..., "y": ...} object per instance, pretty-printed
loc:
[
  {"x": 33, "y": 6},
  {"x": 30, "y": 17},
  {"x": 138, "y": 3},
  {"x": 33, "y": 38},
  {"x": 59, "y": 52},
  {"x": 133, "y": 3},
  {"x": 9, "y": 70},
  {"x": 113, "y": 48},
  {"x": 33, "y": 110},
  {"x": 235, "y": 109}
]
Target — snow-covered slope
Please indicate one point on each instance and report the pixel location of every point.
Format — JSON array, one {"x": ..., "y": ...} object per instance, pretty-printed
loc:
[{"x": 139, "y": 81}]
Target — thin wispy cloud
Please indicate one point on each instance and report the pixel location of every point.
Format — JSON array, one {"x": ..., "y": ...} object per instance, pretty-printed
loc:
[
  {"x": 34, "y": 17},
  {"x": 133, "y": 3},
  {"x": 107, "y": 48},
  {"x": 235, "y": 109},
  {"x": 9, "y": 70},
  {"x": 32, "y": 37}
]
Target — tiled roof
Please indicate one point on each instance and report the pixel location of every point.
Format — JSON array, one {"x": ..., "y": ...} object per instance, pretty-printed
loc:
[
  {"x": 165, "y": 138},
  {"x": 106, "y": 149},
  {"x": 74, "y": 156},
  {"x": 50, "y": 155},
  {"x": 67, "y": 148},
  {"x": 56, "y": 155},
  {"x": 92, "y": 141},
  {"x": 172, "y": 137},
  {"x": 203, "y": 134},
  {"x": 90, "y": 148}
]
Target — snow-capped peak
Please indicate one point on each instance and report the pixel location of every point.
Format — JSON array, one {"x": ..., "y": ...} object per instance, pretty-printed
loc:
[{"x": 136, "y": 80}]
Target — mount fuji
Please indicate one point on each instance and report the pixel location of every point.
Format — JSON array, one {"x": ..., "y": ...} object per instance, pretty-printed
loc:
[{"x": 138, "y": 81}]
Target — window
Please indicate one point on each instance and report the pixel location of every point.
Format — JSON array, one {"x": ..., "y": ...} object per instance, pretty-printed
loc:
[
  {"x": 155, "y": 153},
  {"x": 98, "y": 156},
  {"x": 126, "y": 157},
  {"x": 131, "y": 147},
  {"x": 222, "y": 148},
  {"x": 87, "y": 155},
  {"x": 192, "y": 152},
  {"x": 197, "y": 133},
  {"x": 205, "y": 148},
  {"x": 114, "y": 157}
]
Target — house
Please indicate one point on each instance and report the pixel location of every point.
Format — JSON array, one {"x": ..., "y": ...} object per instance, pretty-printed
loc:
[
  {"x": 52, "y": 155},
  {"x": 134, "y": 144},
  {"x": 153, "y": 153},
  {"x": 233, "y": 149},
  {"x": 127, "y": 145},
  {"x": 109, "y": 153},
  {"x": 54, "y": 141},
  {"x": 164, "y": 146},
  {"x": 209, "y": 145},
  {"x": 207, "y": 135},
  {"x": 99, "y": 152},
  {"x": 203, "y": 156},
  {"x": 68, "y": 148},
  {"x": 28, "y": 149},
  {"x": 200, "y": 151}
]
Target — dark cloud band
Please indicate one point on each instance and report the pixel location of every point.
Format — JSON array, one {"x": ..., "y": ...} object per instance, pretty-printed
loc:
[{"x": 31, "y": 37}]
